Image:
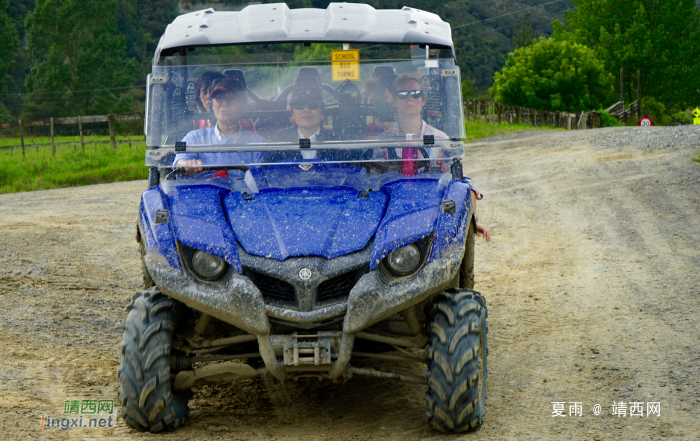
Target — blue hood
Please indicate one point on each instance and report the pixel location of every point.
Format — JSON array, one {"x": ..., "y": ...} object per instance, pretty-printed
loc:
[
  {"x": 282, "y": 223},
  {"x": 294, "y": 214}
]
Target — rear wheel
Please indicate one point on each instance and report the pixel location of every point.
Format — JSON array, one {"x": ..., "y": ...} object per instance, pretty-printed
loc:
[
  {"x": 148, "y": 402},
  {"x": 457, "y": 361}
]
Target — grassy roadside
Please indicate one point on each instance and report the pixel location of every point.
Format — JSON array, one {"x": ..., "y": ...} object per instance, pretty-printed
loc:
[
  {"x": 101, "y": 164},
  {"x": 479, "y": 129},
  {"x": 98, "y": 165}
]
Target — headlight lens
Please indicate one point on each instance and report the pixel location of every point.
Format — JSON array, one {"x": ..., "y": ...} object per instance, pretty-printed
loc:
[
  {"x": 207, "y": 266},
  {"x": 404, "y": 260}
]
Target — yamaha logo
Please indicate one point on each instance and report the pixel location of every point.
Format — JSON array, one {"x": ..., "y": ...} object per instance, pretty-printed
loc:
[{"x": 305, "y": 274}]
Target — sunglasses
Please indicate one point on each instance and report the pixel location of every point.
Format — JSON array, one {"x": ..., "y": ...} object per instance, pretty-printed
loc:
[
  {"x": 304, "y": 104},
  {"x": 415, "y": 94}
]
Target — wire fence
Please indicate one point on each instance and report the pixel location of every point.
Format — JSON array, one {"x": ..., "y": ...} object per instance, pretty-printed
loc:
[
  {"x": 28, "y": 132},
  {"x": 497, "y": 113}
]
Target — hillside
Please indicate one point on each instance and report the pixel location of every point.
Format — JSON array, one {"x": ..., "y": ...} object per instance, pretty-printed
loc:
[{"x": 483, "y": 33}]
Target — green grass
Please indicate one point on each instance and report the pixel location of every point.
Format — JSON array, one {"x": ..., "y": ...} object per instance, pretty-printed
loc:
[
  {"x": 98, "y": 165},
  {"x": 479, "y": 129},
  {"x": 101, "y": 164},
  {"x": 28, "y": 141}
]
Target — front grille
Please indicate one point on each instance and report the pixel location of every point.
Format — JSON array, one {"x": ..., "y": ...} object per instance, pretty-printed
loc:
[
  {"x": 275, "y": 290},
  {"x": 337, "y": 288}
]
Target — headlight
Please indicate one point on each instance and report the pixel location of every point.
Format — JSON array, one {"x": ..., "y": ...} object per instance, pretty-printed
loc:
[
  {"x": 207, "y": 266},
  {"x": 404, "y": 260}
]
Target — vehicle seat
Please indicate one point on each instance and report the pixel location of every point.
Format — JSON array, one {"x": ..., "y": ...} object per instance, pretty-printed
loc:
[
  {"x": 237, "y": 74},
  {"x": 349, "y": 122},
  {"x": 383, "y": 70}
]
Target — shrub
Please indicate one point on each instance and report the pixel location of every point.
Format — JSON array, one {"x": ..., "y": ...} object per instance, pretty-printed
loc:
[
  {"x": 608, "y": 120},
  {"x": 655, "y": 110}
]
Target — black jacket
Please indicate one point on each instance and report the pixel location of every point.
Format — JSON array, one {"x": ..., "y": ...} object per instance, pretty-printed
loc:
[{"x": 291, "y": 134}]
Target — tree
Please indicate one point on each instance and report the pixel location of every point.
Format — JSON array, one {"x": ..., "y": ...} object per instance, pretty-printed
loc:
[
  {"x": 553, "y": 75},
  {"x": 525, "y": 34},
  {"x": 79, "y": 59},
  {"x": 660, "y": 38},
  {"x": 467, "y": 88},
  {"x": 9, "y": 42}
]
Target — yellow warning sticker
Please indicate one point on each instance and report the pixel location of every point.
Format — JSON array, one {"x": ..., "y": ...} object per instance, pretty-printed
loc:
[
  {"x": 696, "y": 112},
  {"x": 345, "y": 65}
]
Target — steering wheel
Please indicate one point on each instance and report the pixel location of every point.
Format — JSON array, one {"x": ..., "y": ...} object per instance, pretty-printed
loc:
[{"x": 180, "y": 171}]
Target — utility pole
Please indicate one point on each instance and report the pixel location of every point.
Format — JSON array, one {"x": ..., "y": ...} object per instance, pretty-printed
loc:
[
  {"x": 622, "y": 89},
  {"x": 639, "y": 95}
]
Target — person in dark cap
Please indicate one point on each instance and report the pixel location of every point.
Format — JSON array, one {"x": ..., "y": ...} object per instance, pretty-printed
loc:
[
  {"x": 203, "y": 87},
  {"x": 229, "y": 101},
  {"x": 307, "y": 112}
]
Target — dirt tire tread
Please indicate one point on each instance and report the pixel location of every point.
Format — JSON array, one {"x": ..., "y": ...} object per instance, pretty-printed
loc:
[
  {"x": 454, "y": 402},
  {"x": 148, "y": 402}
]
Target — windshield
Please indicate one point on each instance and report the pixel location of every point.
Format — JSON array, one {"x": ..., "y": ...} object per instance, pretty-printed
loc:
[{"x": 322, "y": 102}]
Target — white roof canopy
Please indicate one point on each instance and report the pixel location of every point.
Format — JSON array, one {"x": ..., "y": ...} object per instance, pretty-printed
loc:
[{"x": 275, "y": 22}]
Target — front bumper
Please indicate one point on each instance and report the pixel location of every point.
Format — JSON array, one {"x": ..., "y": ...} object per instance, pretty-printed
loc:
[{"x": 238, "y": 301}]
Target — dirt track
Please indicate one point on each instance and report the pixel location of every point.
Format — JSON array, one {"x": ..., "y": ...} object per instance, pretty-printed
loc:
[{"x": 591, "y": 279}]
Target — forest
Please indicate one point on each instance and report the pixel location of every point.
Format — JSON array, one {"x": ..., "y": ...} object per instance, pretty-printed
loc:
[{"x": 122, "y": 35}]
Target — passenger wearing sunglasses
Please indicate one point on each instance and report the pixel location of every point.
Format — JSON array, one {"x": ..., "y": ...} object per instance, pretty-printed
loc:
[
  {"x": 307, "y": 112},
  {"x": 408, "y": 97}
]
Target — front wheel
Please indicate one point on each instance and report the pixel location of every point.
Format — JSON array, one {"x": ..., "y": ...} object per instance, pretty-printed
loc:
[
  {"x": 148, "y": 402},
  {"x": 457, "y": 361}
]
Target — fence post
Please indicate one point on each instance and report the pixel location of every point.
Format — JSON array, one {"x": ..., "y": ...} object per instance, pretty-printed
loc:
[
  {"x": 112, "y": 138},
  {"x": 21, "y": 136},
  {"x": 80, "y": 128},
  {"x": 53, "y": 143}
]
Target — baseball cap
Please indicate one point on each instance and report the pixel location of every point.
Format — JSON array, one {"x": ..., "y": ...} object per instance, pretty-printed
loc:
[
  {"x": 308, "y": 88},
  {"x": 230, "y": 85}
]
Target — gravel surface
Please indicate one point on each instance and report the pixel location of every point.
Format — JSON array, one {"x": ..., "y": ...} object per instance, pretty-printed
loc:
[{"x": 591, "y": 278}]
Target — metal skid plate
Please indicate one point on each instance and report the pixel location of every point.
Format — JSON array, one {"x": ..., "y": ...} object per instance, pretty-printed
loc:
[{"x": 309, "y": 348}]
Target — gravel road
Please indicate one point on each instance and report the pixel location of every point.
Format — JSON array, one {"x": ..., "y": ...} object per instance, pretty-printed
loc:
[{"x": 591, "y": 278}]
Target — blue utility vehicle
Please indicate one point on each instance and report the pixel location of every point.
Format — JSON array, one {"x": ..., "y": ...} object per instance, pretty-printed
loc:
[{"x": 307, "y": 214}]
